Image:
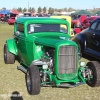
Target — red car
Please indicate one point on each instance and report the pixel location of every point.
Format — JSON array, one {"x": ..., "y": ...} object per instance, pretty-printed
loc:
[
  {"x": 85, "y": 24},
  {"x": 11, "y": 20},
  {"x": 77, "y": 20}
]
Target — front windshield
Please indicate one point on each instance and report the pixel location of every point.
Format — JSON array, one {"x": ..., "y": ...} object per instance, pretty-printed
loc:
[{"x": 34, "y": 28}]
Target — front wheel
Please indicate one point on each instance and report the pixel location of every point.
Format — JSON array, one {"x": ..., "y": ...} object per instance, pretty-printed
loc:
[
  {"x": 94, "y": 67},
  {"x": 9, "y": 58},
  {"x": 33, "y": 80}
]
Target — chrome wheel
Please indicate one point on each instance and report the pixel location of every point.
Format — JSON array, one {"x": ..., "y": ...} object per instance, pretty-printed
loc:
[{"x": 93, "y": 73}]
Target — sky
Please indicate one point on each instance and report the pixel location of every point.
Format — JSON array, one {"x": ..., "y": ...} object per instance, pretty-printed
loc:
[{"x": 77, "y": 4}]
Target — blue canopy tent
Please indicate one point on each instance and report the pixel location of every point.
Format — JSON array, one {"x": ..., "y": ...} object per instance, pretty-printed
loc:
[{"x": 5, "y": 12}]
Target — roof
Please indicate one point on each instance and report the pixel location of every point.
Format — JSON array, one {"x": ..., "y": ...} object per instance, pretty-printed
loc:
[
  {"x": 68, "y": 18},
  {"x": 40, "y": 20}
]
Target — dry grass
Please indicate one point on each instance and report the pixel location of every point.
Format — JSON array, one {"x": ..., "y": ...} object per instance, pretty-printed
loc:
[{"x": 13, "y": 80}]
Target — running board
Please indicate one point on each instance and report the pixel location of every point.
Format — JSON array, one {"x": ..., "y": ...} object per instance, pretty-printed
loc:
[{"x": 69, "y": 85}]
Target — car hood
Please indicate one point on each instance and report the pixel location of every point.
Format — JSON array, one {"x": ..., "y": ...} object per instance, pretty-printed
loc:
[{"x": 53, "y": 41}]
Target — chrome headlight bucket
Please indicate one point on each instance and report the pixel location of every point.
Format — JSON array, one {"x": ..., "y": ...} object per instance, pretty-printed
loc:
[{"x": 82, "y": 64}]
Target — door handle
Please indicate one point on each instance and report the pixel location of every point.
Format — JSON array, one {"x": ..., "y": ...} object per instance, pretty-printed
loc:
[{"x": 94, "y": 34}]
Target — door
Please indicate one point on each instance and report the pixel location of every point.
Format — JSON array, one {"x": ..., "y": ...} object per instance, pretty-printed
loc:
[
  {"x": 21, "y": 43},
  {"x": 96, "y": 37},
  {"x": 90, "y": 34}
]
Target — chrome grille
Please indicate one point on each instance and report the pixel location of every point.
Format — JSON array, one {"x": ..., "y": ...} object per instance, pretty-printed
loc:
[{"x": 67, "y": 59}]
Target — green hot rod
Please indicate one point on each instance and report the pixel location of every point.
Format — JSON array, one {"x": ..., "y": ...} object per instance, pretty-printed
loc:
[{"x": 46, "y": 54}]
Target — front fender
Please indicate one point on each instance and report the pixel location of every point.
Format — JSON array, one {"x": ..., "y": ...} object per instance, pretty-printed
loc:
[
  {"x": 12, "y": 46},
  {"x": 81, "y": 39}
]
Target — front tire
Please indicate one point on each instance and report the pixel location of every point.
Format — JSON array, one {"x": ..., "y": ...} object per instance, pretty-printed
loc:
[
  {"x": 33, "y": 80},
  {"x": 94, "y": 66},
  {"x": 9, "y": 58}
]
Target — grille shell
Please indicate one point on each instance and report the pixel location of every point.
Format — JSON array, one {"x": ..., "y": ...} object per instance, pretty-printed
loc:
[{"x": 67, "y": 60}]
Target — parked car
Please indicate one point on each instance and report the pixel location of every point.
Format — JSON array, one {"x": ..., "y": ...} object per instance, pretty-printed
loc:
[
  {"x": 77, "y": 20},
  {"x": 85, "y": 24},
  {"x": 47, "y": 55},
  {"x": 89, "y": 40},
  {"x": 11, "y": 20},
  {"x": 27, "y": 14}
]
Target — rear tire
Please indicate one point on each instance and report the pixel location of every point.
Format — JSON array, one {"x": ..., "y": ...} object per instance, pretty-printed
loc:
[
  {"x": 94, "y": 66},
  {"x": 33, "y": 80},
  {"x": 9, "y": 58}
]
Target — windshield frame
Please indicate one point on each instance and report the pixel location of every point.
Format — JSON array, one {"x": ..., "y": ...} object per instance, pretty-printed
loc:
[{"x": 63, "y": 28}]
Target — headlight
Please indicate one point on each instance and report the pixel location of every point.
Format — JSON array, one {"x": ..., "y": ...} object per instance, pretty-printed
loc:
[
  {"x": 82, "y": 64},
  {"x": 45, "y": 66}
]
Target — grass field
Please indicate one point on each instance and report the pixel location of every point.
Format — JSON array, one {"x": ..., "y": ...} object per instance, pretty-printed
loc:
[{"x": 12, "y": 81}]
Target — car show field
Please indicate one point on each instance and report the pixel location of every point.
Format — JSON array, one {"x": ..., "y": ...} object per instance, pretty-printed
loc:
[{"x": 13, "y": 80}]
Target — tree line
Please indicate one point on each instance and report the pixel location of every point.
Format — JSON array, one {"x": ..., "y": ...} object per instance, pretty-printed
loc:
[
  {"x": 45, "y": 10},
  {"x": 51, "y": 10}
]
